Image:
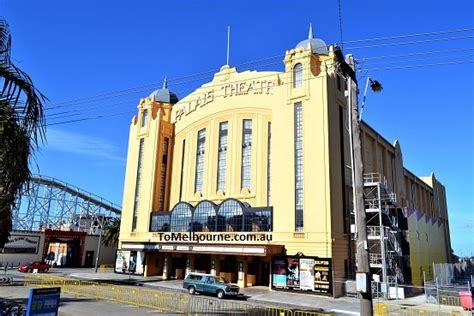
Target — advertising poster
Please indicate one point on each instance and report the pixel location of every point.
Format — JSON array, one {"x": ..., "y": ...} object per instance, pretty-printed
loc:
[
  {"x": 307, "y": 274},
  {"x": 322, "y": 276},
  {"x": 279, "y": 273},
  {"x": 129, "y": 262},
  {"x": 293, "y": 274},
  {"x": 302, "y": 273}
]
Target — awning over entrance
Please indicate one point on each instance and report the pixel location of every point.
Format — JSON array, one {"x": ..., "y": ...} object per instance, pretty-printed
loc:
[{"x": 263, "y": 250}]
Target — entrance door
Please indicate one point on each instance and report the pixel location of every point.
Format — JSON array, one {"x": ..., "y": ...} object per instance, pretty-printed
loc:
[
  {"x": 265, "y": 273},
  {"x": 89, "y": 262},
  {"x": 202, "y": 263}
]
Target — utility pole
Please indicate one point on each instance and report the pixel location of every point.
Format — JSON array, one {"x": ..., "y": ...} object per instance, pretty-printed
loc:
[{"x": 362, "y": 251}]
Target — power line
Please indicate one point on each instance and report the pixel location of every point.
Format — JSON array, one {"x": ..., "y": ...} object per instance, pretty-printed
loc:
[
  {"x": 373, "y": 69},
  {"x": 445, "y": 51},
  {"x": 387, "y": 38},
  {"x": 360, "y": 65},
  {"x": 455, "y": 38},
  {"x": 260, "y": 77},
  {"x": 135, "y": 89},
  {"x": 422, "y": 65}
]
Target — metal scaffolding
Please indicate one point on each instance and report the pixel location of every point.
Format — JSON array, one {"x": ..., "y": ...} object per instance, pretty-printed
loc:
[
  {"x": 48, "y": 203},
  {"x": 383, "y": 231}
]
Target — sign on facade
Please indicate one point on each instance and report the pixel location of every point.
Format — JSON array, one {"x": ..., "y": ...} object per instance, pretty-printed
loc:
[
  {"x": 18, "y": 243},
  {"x": 310, "y": 274}
]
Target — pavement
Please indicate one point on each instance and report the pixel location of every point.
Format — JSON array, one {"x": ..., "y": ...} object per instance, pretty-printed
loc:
[
  {"x": 77, "y": 306},
  {"x": 260, "y": 295}
]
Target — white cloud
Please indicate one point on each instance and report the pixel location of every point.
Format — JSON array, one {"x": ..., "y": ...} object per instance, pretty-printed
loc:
[{"x": 81, "y": 144}]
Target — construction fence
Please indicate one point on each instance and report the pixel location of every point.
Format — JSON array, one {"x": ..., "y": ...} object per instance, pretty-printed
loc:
[{"x": 158, "y": 300}]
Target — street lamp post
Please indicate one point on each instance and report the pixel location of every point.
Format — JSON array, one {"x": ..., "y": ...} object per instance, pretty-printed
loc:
[
  {"x": 99, "y": 244},
  {"x": 363, "y": 281},
  {"x": 375, "y": 86}
]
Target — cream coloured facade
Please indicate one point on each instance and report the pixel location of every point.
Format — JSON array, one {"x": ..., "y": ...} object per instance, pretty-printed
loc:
[{"x": 262, "y": 158}]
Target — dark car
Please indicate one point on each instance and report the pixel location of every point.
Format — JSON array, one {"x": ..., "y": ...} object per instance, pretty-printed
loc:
[
  {"x": 30, "y": 267},
  {"x": 208, "y": 283}
]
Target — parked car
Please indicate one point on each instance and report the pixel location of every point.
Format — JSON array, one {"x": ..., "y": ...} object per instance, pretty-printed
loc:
[
  {"x": 208, "y": 283},
  {"x": 30, "y": 267}
]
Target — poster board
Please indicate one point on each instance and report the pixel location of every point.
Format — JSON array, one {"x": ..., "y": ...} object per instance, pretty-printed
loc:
[
  {"x": 129, "y": 262},
  {"x": 301, "y": 273}
]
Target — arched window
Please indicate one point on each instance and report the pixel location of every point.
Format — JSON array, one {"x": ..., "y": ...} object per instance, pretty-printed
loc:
[
  {"x": 204, "y": 217},
  {"x": 181, "y": 217},
  {"x": 230, "y": 216},
  {"x": 297, "y": 75}
]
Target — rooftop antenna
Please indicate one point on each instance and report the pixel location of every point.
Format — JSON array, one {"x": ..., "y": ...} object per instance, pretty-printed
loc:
[
  {"x": 228, "y": 44},
  {"x": 310, "y": 33},
  {"x": 165, "y": 83}
]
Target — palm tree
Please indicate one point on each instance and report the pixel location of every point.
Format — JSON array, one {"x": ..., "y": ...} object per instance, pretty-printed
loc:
[
  {"x": 21, "y": 130},
  {"x": 111, "y": 231}
]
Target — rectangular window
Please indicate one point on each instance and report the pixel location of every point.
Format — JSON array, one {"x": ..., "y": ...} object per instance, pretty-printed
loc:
[
  {"x": 298, "y": 167},
  {"x": 246, "y": 154},
  {"x": 182, "y": 171},
  {"x": 138, "y": 184},
  {"x": 338, "y": 80},
  {"x": 222, "y": 156},
  {"x": 200, "y": 152},
  {"x": 144, "y": 117},
  {"x": 164, "y": 166},
  {"x": 269, "y": 164},
  {"x": 160, "y": 222}
]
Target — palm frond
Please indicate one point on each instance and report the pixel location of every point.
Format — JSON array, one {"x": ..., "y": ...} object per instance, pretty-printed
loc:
[
  {"x": 22, "y": 127},
  {"x": 111, "y": 232}
]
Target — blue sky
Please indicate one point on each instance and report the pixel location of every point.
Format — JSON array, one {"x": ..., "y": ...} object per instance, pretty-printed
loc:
[{"x": 74, "y": 49}]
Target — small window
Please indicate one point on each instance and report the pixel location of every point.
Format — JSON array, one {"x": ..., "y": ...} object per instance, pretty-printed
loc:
[
  {"x": 297, "y": 75},
  {"x": 338, "y": 80},
  {"x": 144, "y": 117}
]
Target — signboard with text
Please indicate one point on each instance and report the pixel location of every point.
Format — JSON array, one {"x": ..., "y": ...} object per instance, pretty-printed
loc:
[
  {"x": 43, "y": 302},
  {"x": 310, "y": 274},
  {"x": 18, "y": 243}
]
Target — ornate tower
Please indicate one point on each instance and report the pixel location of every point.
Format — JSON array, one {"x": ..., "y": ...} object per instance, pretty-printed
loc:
[{"x": 148, "y": 172}]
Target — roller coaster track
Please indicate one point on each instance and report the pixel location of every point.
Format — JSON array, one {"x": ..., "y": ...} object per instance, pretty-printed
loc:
[{"x": 51, "y": 203}]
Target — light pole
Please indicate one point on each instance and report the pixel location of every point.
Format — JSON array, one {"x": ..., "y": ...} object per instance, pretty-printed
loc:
[
  {"x": 99, "y": 243},
  {"x": 363, "y": 280},
  {"x": 375, "y": 86}
]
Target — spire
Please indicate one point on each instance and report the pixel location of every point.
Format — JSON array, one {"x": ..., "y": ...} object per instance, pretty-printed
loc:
[
  {"x": 310, "y": 33},
  {"x": 165, "y": 83}
]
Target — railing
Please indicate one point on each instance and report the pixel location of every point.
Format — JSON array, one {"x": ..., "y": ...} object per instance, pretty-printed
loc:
[
  {"x": 375, "y": 231},
  {"x": 374, "y": 178},
  {"x": 160, "y": 300},
  {"x": 386, "y": 309},
  {"x": 375, "y": 258}
]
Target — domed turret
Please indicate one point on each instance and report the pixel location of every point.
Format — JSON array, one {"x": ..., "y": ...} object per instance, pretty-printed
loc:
[
  {"x": 316, "y": 45},
  {"x": 164, "y": 94}
]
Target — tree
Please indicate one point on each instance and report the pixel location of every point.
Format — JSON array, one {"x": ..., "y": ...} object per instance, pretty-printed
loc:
[
  {"x": 111, "y": 231},
  {"x": 22, "y": 128}
]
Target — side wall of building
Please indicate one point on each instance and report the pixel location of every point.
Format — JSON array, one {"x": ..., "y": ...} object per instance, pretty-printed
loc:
[{"x": 424, "y": 200}]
